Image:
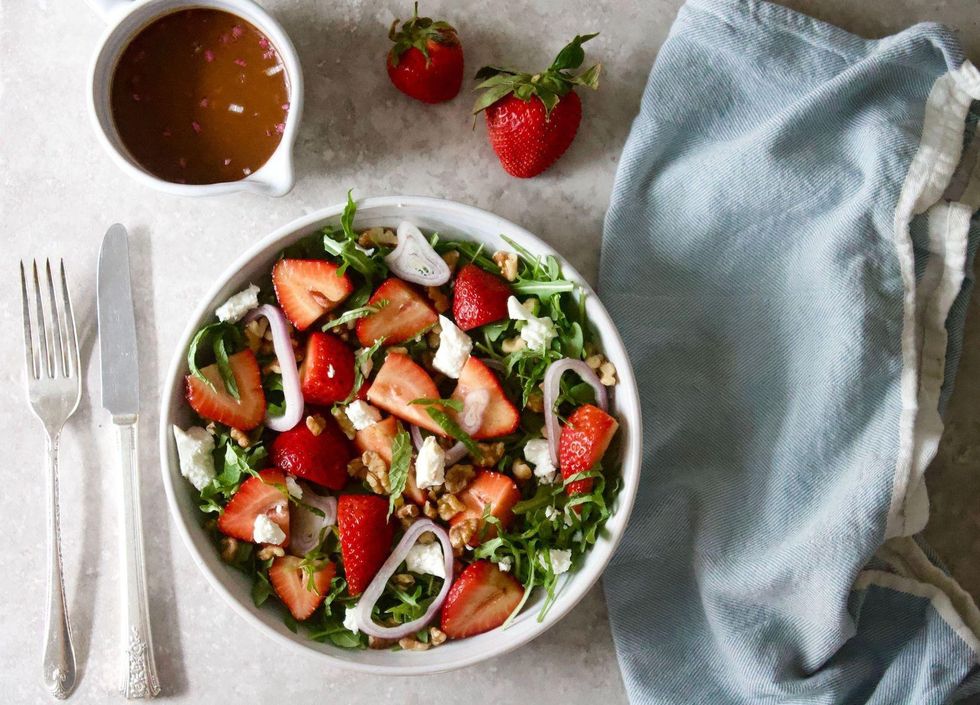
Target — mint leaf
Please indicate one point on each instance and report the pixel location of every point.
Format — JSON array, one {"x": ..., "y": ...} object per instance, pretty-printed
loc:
[
  {"x": 453, "y": 429},
  {"x": 454, "y": 404},
  {"x": 401, "y": 459}
]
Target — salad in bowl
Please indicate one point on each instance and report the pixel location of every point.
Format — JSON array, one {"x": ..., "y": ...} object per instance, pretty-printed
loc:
[{"x": 402, "y": 438}]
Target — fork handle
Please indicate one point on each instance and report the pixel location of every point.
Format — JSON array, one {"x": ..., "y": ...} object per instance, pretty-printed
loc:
[
  {"x": 139, "y": 668},
  {"x": 58, "y": 665}
]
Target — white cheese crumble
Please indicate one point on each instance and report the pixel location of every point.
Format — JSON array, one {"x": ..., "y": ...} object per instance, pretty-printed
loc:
[
  {"x": 537, "y": 453},
  {"x": 430, "y": 465},
  {"x": 267, "y": 531},
  {"x": 560, "y": 560},
  {"x": 350, "y": 619},
  {"x": 537, "y": 332},
  {"x": 550, "y": 513},
  {"x": 235, "y": 308},
  {"x": 362, "y": 414},
  {"x": 426, "y": 559},
  {"x": 454, "y": 349},
  {"x": 505, "y": 564},
  {"x": 295, "y": 491},
  {"x": 194, "y": 452}
]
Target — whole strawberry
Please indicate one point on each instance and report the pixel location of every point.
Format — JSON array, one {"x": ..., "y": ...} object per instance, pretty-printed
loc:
[
  {"x": 532, "y": 118},
  {"x": 426, "y": 62}
]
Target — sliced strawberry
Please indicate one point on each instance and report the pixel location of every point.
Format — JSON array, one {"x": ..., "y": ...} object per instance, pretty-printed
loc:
[
  {"x": 292, "y": 583},
  {"x": 479, "y": 297},
  {"x": 406, "y": 315},
  {"x": 400, "y": 381},
  {"x": 495, "y": 489},
  {"x": 244, "y": 413},
  {"x": 480, "y": 599},
  {"x": 308, "y": 288},
  {"x": 321, "y": 459},
  {"x": 327, "y": 372},
  {"x": 265, "y": 494},
  {"x": 583, "y": 441},
  {"x": 500, "y": 416},
  {"x": 365, "y": 537}
]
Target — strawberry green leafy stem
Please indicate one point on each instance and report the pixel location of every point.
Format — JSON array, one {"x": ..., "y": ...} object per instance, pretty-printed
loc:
[
  {"x": 418, "y": 32},
  {"x": 549, "y": 86}
]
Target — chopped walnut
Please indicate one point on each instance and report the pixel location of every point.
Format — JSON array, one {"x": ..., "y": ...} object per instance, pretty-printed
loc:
[
  {"x": 375, "y": 642},
  {"x": 461, "y": 534},
  {"x": 377, "y": 472},
  {"x": 438, "y": 299},
  {"x": 535, "y": 401},
  {"x": 255, "y": 333},
  {"x": 316, "y": 424},
  {"x": 429, "y": 509},
  {"x": 437, "y": 636},
  {"x": 490, "y": 453},
  {"x": 229, "y": 549},
  {"x": 594, "y": 361},
  {"x": 273, "y": 368},
  {"x": 449, "y": 506},
  {"x": 267, "y": 552},
  {"x": 240, "y": 437},
  {"x": 432, "y": 338},
  {"x": 377, "y": 236},
  {"x": 507, "y": 261},
  {"x": 407, "y": 515},
  {"x": 403, "y": 580},
  {"x": 357, "y": 469},
  {"x": 412, "y": 644},
  {"x": 451, "y": 258},
  {"x": 345, "y": 425},
  {"x": 514, "y": 344},
  {"x": 426, "y": 537},
  {"x": 398, "y": 349},
  {"x": 457, "y": 477},
  {"x": 521, "y": 470},
  {"x": 607, "y": 374}
]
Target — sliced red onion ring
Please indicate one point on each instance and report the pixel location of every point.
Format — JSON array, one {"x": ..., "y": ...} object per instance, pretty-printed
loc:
[
  {"x": 305, "y": 527},
  {"x": 552, "y": 387},
  {"x": 456, "y": 453},
  {"x": 453, "y": 455},
  {"x": 474, "y": 405},
  {"x": 287, "y": 363},
  {"x": 362, "y": 611},
  {"x": 414, "y": 260}
]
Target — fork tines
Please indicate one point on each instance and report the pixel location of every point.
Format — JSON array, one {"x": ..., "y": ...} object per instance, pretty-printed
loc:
[{"x": 50, "y": 340}]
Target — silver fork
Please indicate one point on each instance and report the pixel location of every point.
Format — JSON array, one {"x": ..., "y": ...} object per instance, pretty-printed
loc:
[{"x": 54, "y": 388}]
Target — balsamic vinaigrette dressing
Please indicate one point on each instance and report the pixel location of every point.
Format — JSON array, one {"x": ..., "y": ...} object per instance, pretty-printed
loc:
[{"x": 199, "y": 97}]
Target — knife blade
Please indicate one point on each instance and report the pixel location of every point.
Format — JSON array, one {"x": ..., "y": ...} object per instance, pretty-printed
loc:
[{"x": 117, "y": 326}]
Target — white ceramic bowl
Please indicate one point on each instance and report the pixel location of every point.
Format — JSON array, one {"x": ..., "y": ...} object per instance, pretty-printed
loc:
[
  {"x": 125, "y": 19},
  {"x": 451, "y": 220}
]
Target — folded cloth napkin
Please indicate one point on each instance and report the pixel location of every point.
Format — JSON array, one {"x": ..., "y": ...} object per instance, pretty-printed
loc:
[{"x": 788, "y": 253}]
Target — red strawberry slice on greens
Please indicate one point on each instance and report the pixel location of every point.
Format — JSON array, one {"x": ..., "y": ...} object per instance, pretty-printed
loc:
[
  {"x": 291, "y": 584},
  {"x": 488, "y": 488},
  {"x": 308, "y": 288},
  {"x": 480, "y": 599},
  {"x": 532, "y": 118},
  {"x": 216, "y": 403},
  {"x": 265, "y": 494},
  {"x": 479, "y": 297},
  {"x": 319, "y": 458},
  {"x": 404, "y": 314},
  {"x": 399, "y": 382},
  {"x": 584, "y": 439},
  {"x": 379, "y": 438},
  {"x": 327, "y": 373},
  {"x": 426, "y": 62},
  {"x": 500, "y": 417},
  {"x": 365, "y": 537}
]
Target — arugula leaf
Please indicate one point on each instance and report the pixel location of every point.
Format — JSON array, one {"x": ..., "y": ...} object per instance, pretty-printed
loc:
[
  {"x": 347, "y": 217},
  {"x": 453, "y": 429},
  {"x": 261, "y": 589},
  {"x": 355, "y": 313},
  {"x": 454, "y": 404},
  {"x": 360, "y": 359},
  {"x": 221, "y": 336},
  {"x": 401, "y": 458}
]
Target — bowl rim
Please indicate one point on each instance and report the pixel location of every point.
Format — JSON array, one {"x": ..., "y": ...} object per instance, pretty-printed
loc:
[{"x": 627, "y": 394}]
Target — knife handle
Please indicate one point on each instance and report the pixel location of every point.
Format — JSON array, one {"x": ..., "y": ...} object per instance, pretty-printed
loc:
[{"x": 139, "y": 668}]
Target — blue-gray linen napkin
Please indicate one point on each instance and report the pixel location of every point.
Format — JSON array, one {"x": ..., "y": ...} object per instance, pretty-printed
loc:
[{"x": 788, "y": 255}]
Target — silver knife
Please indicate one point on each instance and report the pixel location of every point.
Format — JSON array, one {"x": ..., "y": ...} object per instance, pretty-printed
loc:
[{"x": 121, "y": 398}]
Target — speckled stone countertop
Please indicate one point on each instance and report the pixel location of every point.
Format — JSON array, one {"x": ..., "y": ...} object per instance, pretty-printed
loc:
[{"x": 59, "y": 192}]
